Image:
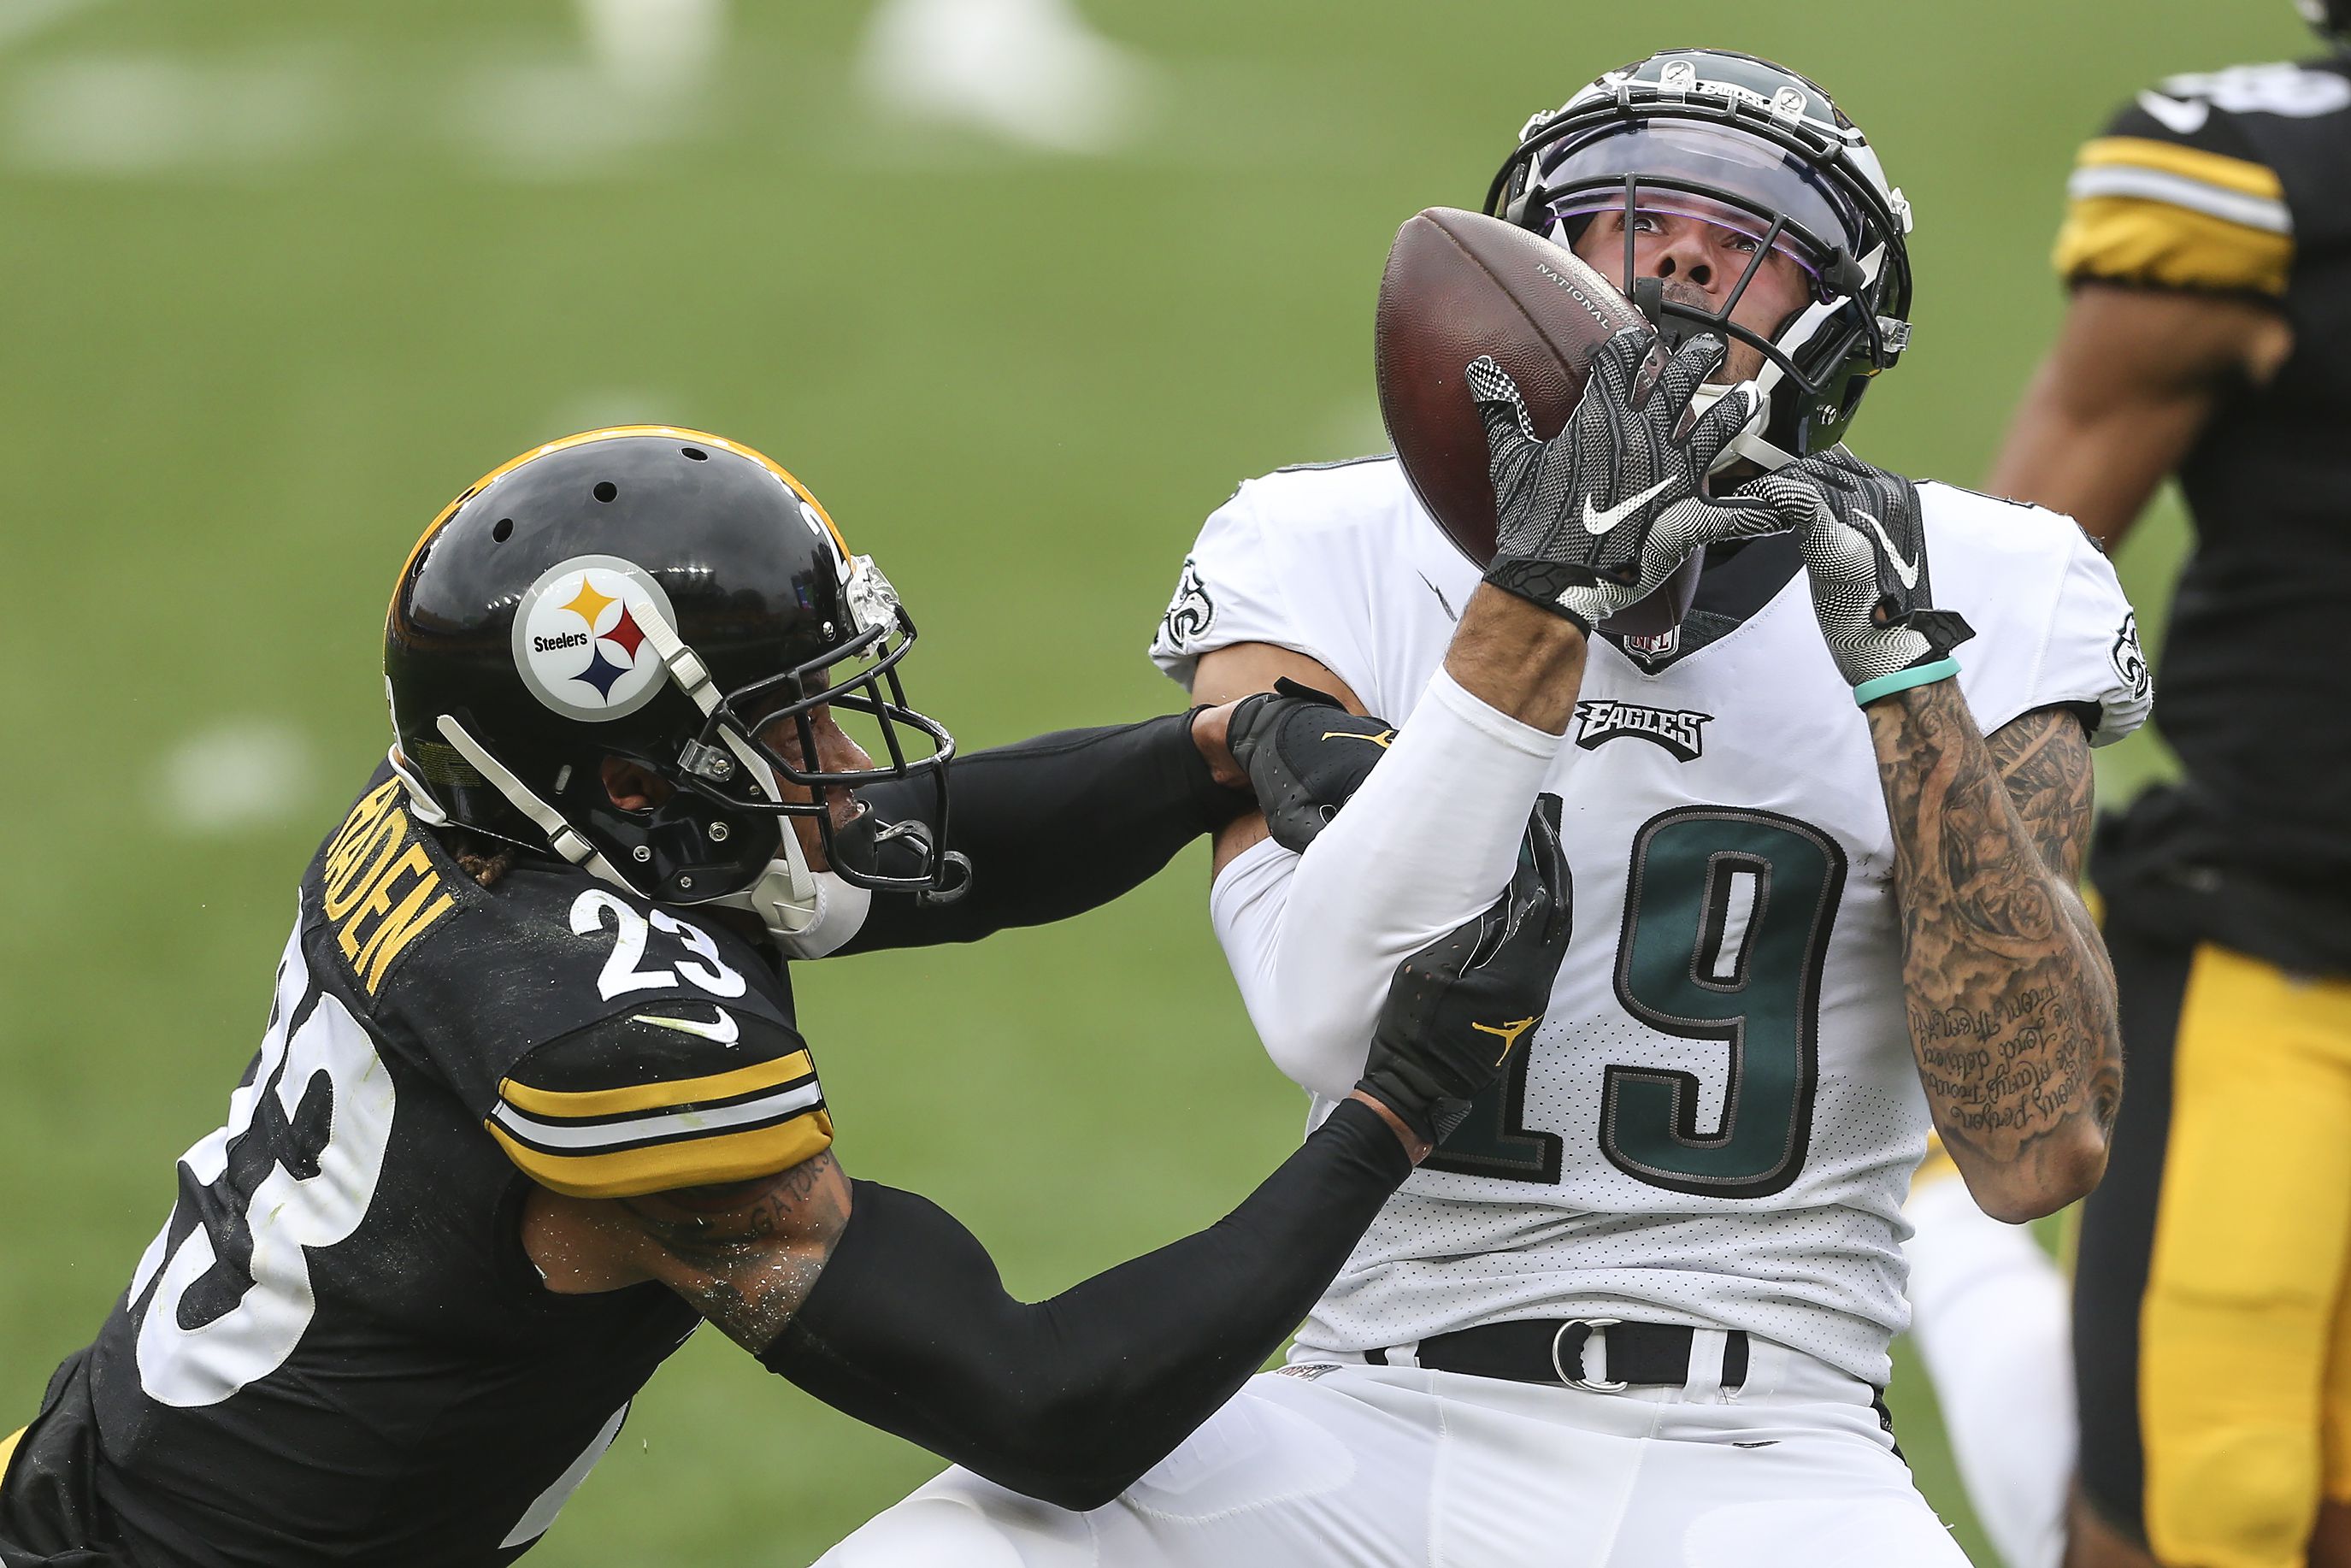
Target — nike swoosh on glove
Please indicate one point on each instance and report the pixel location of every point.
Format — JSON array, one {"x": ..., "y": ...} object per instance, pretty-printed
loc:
[
  {"x": 1865, "y": 547},
  {"x": 1305, "y": 755},
  {"x": 1596, "y": 518}
]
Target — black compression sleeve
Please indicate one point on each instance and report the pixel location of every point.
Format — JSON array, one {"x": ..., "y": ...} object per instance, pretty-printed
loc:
[
  {"x": 1070, "y": 1400},
  {"x": 1053, "y": 827}
]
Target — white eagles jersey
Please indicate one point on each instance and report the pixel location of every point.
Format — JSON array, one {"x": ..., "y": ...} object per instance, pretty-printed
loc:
[{"x": 1718, "y": 1121}]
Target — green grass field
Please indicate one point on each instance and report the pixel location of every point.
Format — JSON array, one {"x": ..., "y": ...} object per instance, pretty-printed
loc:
[{"x": 281, "y": 280}]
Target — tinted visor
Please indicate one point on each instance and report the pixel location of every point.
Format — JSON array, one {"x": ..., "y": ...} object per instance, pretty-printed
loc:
[{"x": 1691, "y": 169}]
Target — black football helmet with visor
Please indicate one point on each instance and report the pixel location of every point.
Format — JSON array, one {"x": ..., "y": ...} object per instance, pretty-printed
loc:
[
  {"x": 676, "y": 600},
  {"x": 1740, "y": 142}
]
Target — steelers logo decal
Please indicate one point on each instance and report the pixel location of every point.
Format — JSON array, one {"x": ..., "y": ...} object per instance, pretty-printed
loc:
[{"x": 580, "y": 638}]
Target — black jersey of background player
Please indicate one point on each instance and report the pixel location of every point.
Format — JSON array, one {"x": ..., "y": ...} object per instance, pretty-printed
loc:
[
  {"x": 2236, "y": 181},
  {"x": 337, "y": 1351}
]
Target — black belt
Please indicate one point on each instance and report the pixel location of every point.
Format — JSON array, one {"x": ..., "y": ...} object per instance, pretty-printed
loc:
[{"x": 1550, "y": 1350}]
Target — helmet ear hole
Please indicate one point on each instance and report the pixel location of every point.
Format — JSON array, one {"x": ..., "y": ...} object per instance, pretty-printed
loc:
[
  {"x": 606, "y": 490},
  {"x": 503, "y": 529}
]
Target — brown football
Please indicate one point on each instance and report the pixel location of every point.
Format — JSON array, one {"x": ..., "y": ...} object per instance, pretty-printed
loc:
[{"x": 1459, "y": 285}]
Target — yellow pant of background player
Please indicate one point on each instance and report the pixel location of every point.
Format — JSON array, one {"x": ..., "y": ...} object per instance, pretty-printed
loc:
[{"x": 2212, "y": 1343}]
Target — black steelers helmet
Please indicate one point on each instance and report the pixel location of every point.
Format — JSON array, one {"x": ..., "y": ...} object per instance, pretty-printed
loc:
[
  {"x": 666, "y": 597},
  {"x": 2330, "y": 18},
  {"x": 1744, "y": 143}
]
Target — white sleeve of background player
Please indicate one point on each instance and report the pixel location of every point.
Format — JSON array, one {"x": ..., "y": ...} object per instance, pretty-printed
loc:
[
  {"x": 1240, "y": 584},
  {"x": 1427, "y": 842},
  {"x": 2082, "y": 649}
]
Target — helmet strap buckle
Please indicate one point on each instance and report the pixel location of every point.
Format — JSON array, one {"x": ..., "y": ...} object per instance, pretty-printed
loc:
[{"x": 710, "y": 762}]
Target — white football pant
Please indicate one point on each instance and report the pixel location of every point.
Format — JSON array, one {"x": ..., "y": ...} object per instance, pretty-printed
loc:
[{"x": 1395, "y": 1467}]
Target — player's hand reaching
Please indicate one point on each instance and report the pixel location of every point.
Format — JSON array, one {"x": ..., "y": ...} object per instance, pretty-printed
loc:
[
  {"x": 1596, "y": 518},
  {"x": 1864, "y": 550},
  {"x": 1459, "y": 1007},
  {"x": 1305, "y": 755}
]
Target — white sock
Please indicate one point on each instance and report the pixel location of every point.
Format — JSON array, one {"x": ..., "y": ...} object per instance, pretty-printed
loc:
[{"x": 1991, "y": 1319}]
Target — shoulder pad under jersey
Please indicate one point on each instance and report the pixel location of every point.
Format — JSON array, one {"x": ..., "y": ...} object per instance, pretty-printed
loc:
[
  {"x": 610, "y": 1044},
  {"x": 2182, "y": 191},
  {"x": 669, "y": 1094}
]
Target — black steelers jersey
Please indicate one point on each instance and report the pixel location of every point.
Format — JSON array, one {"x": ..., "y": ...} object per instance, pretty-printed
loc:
[
  {"x": 2234, "y": 181},
  {"x": 336, "y": 1351}
]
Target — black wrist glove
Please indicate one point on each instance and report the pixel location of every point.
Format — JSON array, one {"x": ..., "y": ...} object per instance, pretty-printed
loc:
[
  {"x": 1459, "y": 1007},
  {"x": 1865, "y": 548},
  {"x": 1595, "y": 518},
  {"x": 1305, "y": 756}
]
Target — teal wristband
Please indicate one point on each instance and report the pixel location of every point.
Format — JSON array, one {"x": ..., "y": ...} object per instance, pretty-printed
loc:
[{"x": 1868, "y": 692}]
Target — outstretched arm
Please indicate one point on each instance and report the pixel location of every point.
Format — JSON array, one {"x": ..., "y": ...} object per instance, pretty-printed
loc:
[
  {"x": 2011, "y": 998},
  {"x": 1057, "y": 825},
  {"x": 880, "y": 1304}
]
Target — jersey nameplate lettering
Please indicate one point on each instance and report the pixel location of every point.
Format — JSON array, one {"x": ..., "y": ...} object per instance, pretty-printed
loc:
[{"x": 378, "y": 886}]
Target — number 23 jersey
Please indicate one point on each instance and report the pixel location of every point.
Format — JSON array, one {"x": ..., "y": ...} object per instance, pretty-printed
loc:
[
  {"x": 337, "y": 1349},
  {"x": 1719, "y": 1118}
]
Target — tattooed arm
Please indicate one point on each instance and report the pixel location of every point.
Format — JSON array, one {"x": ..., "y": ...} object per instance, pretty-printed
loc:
[
  {"x": 745, "y": 1255},
  {"x": 2010, "y": 996}
]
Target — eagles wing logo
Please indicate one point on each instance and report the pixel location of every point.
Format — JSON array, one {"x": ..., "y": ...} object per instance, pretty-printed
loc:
[
  {"x": 2130, "y": 663},
  {"x": 1599, "y": 720},
  {"x": 1190, "y": 614}
]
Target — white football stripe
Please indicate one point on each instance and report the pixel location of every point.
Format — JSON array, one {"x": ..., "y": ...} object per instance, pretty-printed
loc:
[
  {"x": 2156, "y": 184},
  {"x": 1738, "y": 911},
  {"x": 656, "y": 1124}
]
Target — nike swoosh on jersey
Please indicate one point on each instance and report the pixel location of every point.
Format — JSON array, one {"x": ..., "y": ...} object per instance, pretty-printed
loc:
[
  {"x": 1907, "y": 570},
  {"x": 725, "y": 1032},
  {"x": 1597, "y": 523},
  {"x": 2182, "y": 117}
]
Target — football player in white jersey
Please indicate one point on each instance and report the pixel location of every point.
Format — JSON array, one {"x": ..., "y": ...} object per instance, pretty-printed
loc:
[{"x": 1823, "y": 835}]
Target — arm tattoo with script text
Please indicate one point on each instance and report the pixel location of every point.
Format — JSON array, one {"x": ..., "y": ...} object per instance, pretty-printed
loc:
[
  {"x": 2010, "y": 997},
  {"x": 745, "y": 1256}
]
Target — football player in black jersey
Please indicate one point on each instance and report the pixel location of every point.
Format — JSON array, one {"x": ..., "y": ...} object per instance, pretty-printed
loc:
[
  {"x": 2208, "y": 248},
  {"x": 531, "y": 1102}
]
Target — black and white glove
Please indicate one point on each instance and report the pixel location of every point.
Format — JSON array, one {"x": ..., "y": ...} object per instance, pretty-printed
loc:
[
  {"x": 1865, "y": 551},
  {"x": 1460, "y": 1005},
  {"x": 1596, "y": 518},
  {"x": 1305, "y": 755}
]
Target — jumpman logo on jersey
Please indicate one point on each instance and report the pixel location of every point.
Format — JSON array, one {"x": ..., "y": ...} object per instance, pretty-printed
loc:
[{"x": 1508, "y": 1033}]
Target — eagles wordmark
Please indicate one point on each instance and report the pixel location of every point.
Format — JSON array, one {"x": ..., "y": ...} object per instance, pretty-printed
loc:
[{"x": 1599, "y": 720}]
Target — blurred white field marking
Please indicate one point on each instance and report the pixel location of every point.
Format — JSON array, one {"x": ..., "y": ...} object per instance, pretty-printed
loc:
[
  {"x": 600, "y": 407},
  {"x": 144, "y": 114},
  {"x": 20, "y": 19},
  {"x": 660, "y": 47},
  {"x": 241, "y": 773},
  {"x": 1029, "y": 72},
  {"x": 557, "y": 120},
  {"x": 649, "y": 63}
]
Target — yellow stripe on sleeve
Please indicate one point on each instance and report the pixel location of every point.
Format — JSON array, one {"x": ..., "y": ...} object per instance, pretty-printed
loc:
[
  {"x": 577, "y": 1103},
  {"x": 2162, "y": 245},
  {"x": 691, "y": 1162},
  {"x": 8, "y": 1450},
  {"x": 2247, "y": 179}
]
